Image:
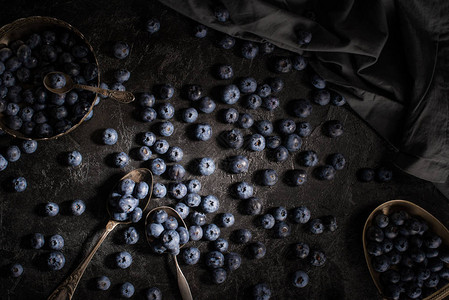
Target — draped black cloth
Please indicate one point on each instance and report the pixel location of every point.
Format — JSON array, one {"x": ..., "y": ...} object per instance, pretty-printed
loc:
[{"x": 389, "y": 58}]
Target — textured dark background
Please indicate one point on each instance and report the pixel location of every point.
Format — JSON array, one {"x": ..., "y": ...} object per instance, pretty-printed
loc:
[{"x": 173, "y": 55}]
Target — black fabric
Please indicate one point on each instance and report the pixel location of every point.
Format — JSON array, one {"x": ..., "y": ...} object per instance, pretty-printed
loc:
[{"x": 389, "y": 58}]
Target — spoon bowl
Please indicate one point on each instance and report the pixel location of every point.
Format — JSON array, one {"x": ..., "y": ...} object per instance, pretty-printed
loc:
[
  {"x": 414, "y": 210},
  {"x": 122, "y": 96},
  {"x": 67, "y": 288},
  {"x": 183, "y": 285}
]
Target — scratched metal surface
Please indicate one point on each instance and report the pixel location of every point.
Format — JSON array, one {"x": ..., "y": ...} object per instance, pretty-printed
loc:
[{"x": 173, "y": 55}]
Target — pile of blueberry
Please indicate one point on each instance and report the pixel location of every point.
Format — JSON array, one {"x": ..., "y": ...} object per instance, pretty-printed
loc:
[
  {"x": 25, "y": 104},
  {"x": 124, "y": 200},
  {"x": 165, "y": 233},
  {"x": 409, "y": 258}
]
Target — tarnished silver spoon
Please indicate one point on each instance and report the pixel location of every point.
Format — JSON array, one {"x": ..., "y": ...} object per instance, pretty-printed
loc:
[
  {"x": 66, "y": 289},
  {"x": 122, "y": 96},
  {"x": 183, "y": 285}
]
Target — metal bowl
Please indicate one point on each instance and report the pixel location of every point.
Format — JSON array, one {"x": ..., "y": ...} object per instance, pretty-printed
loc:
[
  {"x": 414, "y": 210},
  {"x": 24, "y": 27}
]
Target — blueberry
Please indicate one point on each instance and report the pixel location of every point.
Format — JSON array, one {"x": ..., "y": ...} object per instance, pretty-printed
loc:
[
  {"x": 247, "y": 85},
  {"x": 121, "y": 160},
  {"x": 301, "y": 214},
  {"x": 166, "y": 128},
  {"x": 211, "y": 232},
  {"x": 51, "y": 209},
  {"x": 77, "y": 207},
  {"x": 218, "y": 275},
  {"x": 194, "y": 92},
  {"x": 282, "y": 65},
  {"x": 120, "y": 216},
  {"x": 281, "y": 229},
  {"x": 178, "y": 190},
  {"x": 252, "y": 206},
  {"x": 253, "y": 101},
  {"x": 126, "y": 186},
  {"x": 337, "y": 99},
  {"x": 146, "y": 100},
  {"x": 395, "y": 257},
  {"x": 299, "y": 62},
  {"x": 383, "y": 174},
  {"x": 317, "y": 258},
  {"x": 214, "y": 259},
  {"x": 264, "y": 127},
  {"x": 221, "y": 13},
  {"x": 136, "y": 215},
  {"x": 336, "y": 160},
  {"x": 175, "y": 154},
  {"x": 242, "y": 236},
  {"x": 333, "y": 128},
  {"x": 398, "y": 218},
  {"x": 416, "y": 254},
  {"x": 226, "y": 42},
  {"x": 120, "y": 50},
  {"x": 206, "y": 105},
  {"x": 13, "y": 153},
  {"x": 317, "y": 81},
  {"x": 244, "y": 190},
  {"x": 152, "y": 25},
  {"x": 158, "y": 166},
  {"x": 226, "y": 220},
  {"x": 161, "y": 146},
  {"x": 401, "y": 244},
  {"x": 233, "y": 138},
  {"x": 143, "y": 153},
  {"x": 270, "y": 102},
  {"x": 191, "y": 255},
  {"x": 166, "y": 91},
  {"x": 280, "y": 213},
  {"x": 245, "y": 120},
  {"x": 193, "y": 199},
  {"x": 225, "y": 72},
  {"x": 221, "y": 245},
  {"x": 301, "y": 250},
  {"x": 194, "y": 186},
  {"x": 413, "y": 291},
  {"x": 121, "y": 75},
  {"x": 37, "y": 241},
  {"x": 267, "y": 221},
  {"x": 330, "y": 223},
  {"x": 232, "y": 261},
  {"x": 257, "y": 250},
  {"x": 249, "y": 50},
  {"x": 200, "y": 31},
  {"x": 256, "y": 142},
  {"x": 316, "y": 226},
  {"x": 230, "y": 115},
  {"x": 154, "y": 230},
  {"x": 300, "y": 279},
  {"x": 183, "y": 233},
  {"x": 55, "y": 260},
  {"x": 182, "y": 209},
  {"x": 267, "y": 48},
  {"x": 308, "y": 158},
  {"x": 189, "y": 115},
  {"x": 195, "y": 232},
  {"x": 273, "y": 142},
  {"x": 321, "y": 97},
  {"x": 147, "y": 139},
  {"x": 26, "y": 114},
  {"x": 109, "y": 136},
  {"x": 444, "y": 274},
  {"x": 103, "y": 283},
  {"x": 374, "y": 248},
  {"x": 13, "y": 64},
  {"x": 203, "y": 132},
  {"x": 365, "y": 174},
  {"x": 170, "y": 239},
  {"x": 238, "y": 164},
  {"x": 261, "y": 291},
  {"x": 325, "y": 172},
  {"x": 5, "y": 53},
  {"x": 279, "y": 154},
  {"x": 74, "y": 158},
  {"x": 297, "y": 177},
  {"x": 206, "y": 166},
  {"x": 127, "y": 204},
  {"x": 166, "y": 111},
  {"x": 56, "y": 242},
  {"x": 8, "y": 79},
  {"x": 127, "y": 290},
  {"x": 293, "y": 142},
  {"x": 269, "y": 177},
  {"x": 230, "y": 94},
  {"x": 210, "y": 204},
  {"x": 264, "y": 90},
  {"x": 198, "y": 218},
  {"x": 131, "y": 236},
  {"x": 286, "y": 126},
  {"x": 16, "y": 270}
]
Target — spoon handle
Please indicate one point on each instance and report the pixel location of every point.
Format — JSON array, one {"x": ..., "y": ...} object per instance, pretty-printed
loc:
[
  {"x": 66, "y": 289},
  {"x": 183, "y": 285},
  {"x": 121, "y": 96}
]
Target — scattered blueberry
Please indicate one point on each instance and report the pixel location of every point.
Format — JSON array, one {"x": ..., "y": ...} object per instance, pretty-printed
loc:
[
  {"x": 245, "y": 120},
  {"x": 233, "y": 261},
  {"x": 221, "y": 245},
  {"x": 77, "y": 207},
  {"x": 256, "y": 142},
  {"x": 238, "y": 164},
  {"x": 16, "y": 270},
  {"x": 178, "y": 190},
  {"x": 226, "y": 220},
  {"x": 316, "y": 226},
  {"x": 282, "y": 65},
  {"x": 109, "y": 136},
  {"x": 317, "y": 258},
  {"x": 300, "y": 279},
  {"x": 121, "y": 75},
  {"x": 206, "y": 105},
  {"x": 230, "y": 115},
  {"x": 51, "y": 209},
  {"x": 211, "y": 232},
  {"x": 384, "y": 174},
  {"x": 299, "y": 62},
  {"x": 249, "y": 50},
  {"x": 56, "y": 242},
  {"x": 261, "y": 291},
  {"x": 253, "y": 101},
  {"x": 74, "y": 158},
  {"x": 221, "y": 13},
  {"x": 127, "y": 290},
  {"x": 210, "y": 204},
  {"x": 19, "y": 184},
  {"x": 55, "y": 260},
  {"x": 121, "y": 160},
  {"x": 131, "y": 236},
  {"x": 121, "y": 50},
  {"x": 166, "y": 110},
  {"x": 13, "y": 153},
  {"x": 247, "y": 85},
  {"x": 308, "y": 158},
  {"x": 301, "y": 250},
  {"x": 191, "y": 255},
  {"x": 37, "y": 241},
  {"x": 189, "y": 115},
  {"x": 230, "y": 94},
  {"x": 146, "y": 100},
  {"x": 161, "y": 146},
  {"x": 325, "y": 172},
  {"x": 103, "y": 283},
  {"x": 200, "y": 31},
  {"x": 226, "y": 42},
  {"x": 193, "y": 200},
  {"x": 366, "y": 174},
  {"x": 269, "y": 177},
  {"x": 267, "y": 221},
  {"x": 206, "y": 166},
  {"x": 257, "y": 250},
  {"x": 317, "y": 81},
  {"x": 219, "y": 275},
  {"x": 166, "y": 91},
  {"x": 242, "y": 236},
  {"x": 225, "y": 72},
  {"x": 153, "y": 25}
]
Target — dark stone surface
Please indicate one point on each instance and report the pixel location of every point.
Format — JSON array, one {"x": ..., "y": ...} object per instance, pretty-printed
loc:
[{"x": 173, "y": 55}]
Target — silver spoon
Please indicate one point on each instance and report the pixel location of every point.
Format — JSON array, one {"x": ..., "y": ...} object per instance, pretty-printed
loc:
[
  {"x": 122, "y": 96},
  {"x": 67, "y": 288},
  {"x": 183, "y": 285}
]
